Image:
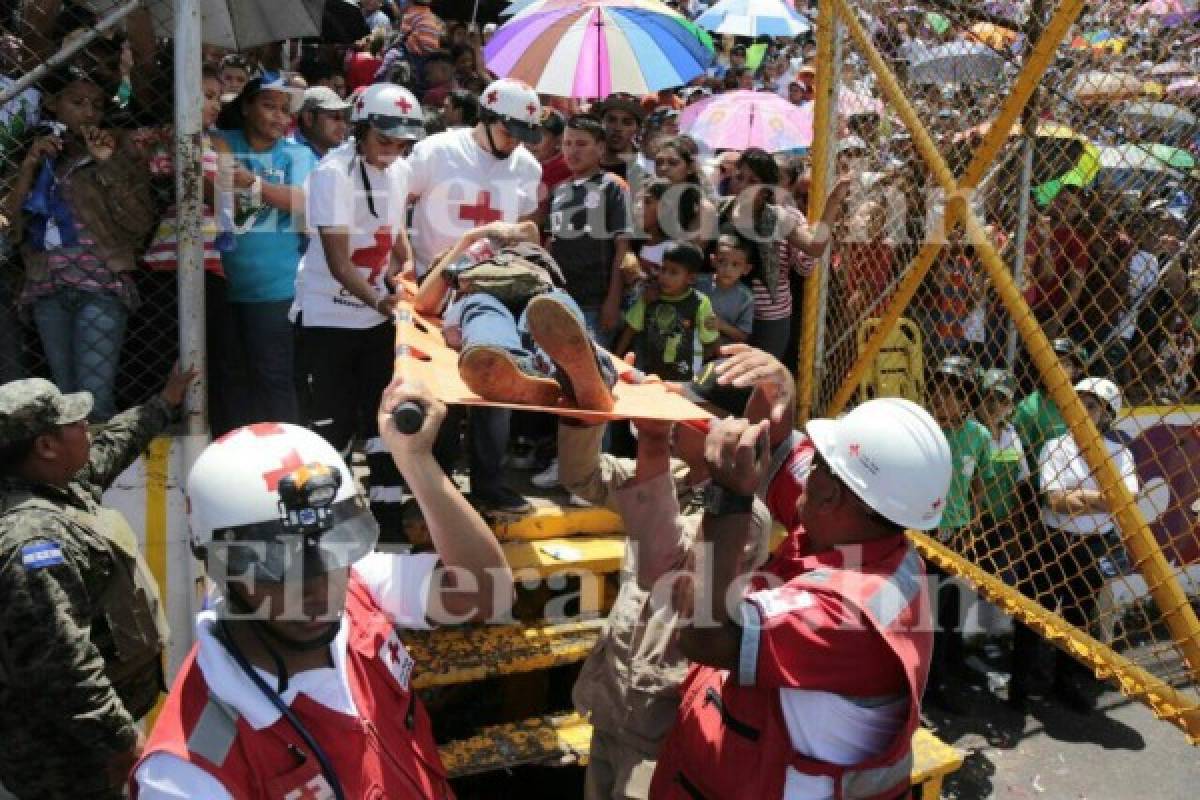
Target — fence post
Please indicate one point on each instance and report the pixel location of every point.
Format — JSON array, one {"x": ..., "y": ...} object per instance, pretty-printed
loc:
[
  {"x": 829, "y": 68},
  {"x": 189, "y": 184}
]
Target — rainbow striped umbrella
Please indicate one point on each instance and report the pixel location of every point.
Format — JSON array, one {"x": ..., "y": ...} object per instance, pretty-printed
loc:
[{"x": 593, "y": 48}]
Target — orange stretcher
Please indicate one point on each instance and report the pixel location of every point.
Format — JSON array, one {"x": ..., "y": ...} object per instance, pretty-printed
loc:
[{"x": 422, "y": 354}]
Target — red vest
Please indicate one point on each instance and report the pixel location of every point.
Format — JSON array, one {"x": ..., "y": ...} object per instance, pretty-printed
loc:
[
  {"x": 731, "y": 741},
  {"x": 388, "y": 752}
]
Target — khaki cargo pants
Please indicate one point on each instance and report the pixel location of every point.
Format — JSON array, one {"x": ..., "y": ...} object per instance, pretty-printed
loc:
[{"x": 617, "y": 770}]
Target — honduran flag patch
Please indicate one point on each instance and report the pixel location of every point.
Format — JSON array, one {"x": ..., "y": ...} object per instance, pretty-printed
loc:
[{"x": 41, "y": 554}]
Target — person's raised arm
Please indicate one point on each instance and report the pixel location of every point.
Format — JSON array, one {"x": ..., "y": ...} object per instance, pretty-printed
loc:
[
  {"x": 814, "y": 240},
  {"x": 474, "y": 582},
  {"x": 736, "y": 458}
]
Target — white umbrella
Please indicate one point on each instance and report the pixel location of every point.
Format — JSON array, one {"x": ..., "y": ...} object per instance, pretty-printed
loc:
[
  {"x": 1163, "y": 115},
  {"x": 754, "y": 18},
  {"x": 957, "y": 62},
  {"x": 240, "y": 24}
]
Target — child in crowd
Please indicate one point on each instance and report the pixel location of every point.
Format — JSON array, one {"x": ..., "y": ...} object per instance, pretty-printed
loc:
[
  {"x": 732, "y": 301},
  {"x": 953, "y": 394},
  {"x": 88, "y": 208},
  {"x": 235, "y": 73},
  {"x": 642, "y": 270},
  {"x": 160, "y": 257},
  {"x": 675, "y": 333}
]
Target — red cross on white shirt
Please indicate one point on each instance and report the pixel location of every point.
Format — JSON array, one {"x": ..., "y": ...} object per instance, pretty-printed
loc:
[{"x": 482, "y": 212}]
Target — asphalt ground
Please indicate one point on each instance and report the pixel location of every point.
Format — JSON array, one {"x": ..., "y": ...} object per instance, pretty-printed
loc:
[{"x": 1117, "y": 752}]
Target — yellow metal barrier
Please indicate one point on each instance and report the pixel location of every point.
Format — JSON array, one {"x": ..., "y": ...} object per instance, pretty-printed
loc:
[
  {"x": 978, "y": 255},
  {"x": 899, "y": 369}
]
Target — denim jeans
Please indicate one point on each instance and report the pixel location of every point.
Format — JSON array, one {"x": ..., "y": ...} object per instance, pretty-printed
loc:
[
  {"x": 487, "y": 321},
  {"x": 82, "y": 333},
  {"x": 268, "y": 394}
]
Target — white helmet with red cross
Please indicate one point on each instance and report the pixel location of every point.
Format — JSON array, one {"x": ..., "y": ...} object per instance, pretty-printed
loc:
[
  {"x": 390, "y": 109},
  {"x": 516, "y": 105},
  {"x": 271, "y": 498},
  {"x": 893, "y": 455}
]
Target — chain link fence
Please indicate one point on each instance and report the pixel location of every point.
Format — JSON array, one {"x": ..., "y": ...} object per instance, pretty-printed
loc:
[
  {"x": 1089, "y": 198},
  {"x": 87, "y": 288}
]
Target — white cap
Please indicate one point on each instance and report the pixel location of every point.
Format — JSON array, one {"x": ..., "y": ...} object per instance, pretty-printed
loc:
[{"x": 1104, "y": 389}]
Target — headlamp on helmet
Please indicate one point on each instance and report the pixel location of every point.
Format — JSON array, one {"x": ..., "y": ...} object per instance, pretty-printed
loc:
[{"x": 306, "y": 499}]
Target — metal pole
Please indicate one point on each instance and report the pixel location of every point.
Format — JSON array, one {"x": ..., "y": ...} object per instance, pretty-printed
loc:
[
  {"x": 68, "y": 51},
  {"x": 189, "y": 185},
  {"x": 1033, "y": 32},
  {"x": 822, "y": 273},
  {"x": 1173, "y": 604},
  {"x": 1010, "y": 349},
  {"x": 824, "y": 120}
]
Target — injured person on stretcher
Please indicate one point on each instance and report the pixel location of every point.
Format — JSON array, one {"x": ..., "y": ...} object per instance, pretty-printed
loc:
[{"x": 521, "y": 338}]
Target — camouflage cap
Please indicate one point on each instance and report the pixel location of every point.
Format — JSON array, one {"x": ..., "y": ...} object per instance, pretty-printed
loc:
[{"x": 34, "y": 406}]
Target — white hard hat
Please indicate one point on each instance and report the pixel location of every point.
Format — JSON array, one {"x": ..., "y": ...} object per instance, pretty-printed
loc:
[
  {"x": 285, "y": 491},
  {"x": 390, "y": 109},
  {"x": 1104, "y": 389},
  {"x": 517, "y": 106},
  {"x": 893, "y": 455}
]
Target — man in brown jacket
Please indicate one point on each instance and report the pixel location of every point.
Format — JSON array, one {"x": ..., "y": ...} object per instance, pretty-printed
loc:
[{"x": 630, "y": 683}]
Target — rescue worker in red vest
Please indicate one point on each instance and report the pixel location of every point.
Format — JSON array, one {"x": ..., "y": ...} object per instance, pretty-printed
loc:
[
  {"x": 812, "y": 689},
  {"x": 299, "y": 685}
]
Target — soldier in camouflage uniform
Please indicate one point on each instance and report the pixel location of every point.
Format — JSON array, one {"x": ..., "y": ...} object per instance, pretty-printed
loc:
[{"x": 81, "y": 628}]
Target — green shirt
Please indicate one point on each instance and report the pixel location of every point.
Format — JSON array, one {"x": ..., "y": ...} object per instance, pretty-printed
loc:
[
  {"x": 672, "y": 333},
  {"x": 1037, "y": 421},
  {"x": 1003, "y": 471},
  {"x": 970, "y": 445}
]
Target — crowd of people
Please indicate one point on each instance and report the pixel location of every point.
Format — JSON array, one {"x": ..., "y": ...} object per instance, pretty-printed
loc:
[{"x": 545, "y": 233}]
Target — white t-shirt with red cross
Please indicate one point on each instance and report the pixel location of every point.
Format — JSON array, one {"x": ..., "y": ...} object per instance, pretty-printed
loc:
[
  {"x": 399, "y": 584},
  {"x": 338, "y": 195},
  {"x": 460, "y": 186}
]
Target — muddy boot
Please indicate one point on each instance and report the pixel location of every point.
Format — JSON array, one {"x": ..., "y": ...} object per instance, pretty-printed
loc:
[
  {"x": 564, "y": 339},
  {"x": 494, "y": 374}
]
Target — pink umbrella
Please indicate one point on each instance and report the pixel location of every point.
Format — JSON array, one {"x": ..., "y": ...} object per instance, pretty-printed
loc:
[
  {"x": 1171, "y": 68},
  {"x": 1158, "y": 8},
  {"x": 1185, "y": 89},
  {"x": 743, "y": 119}
]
